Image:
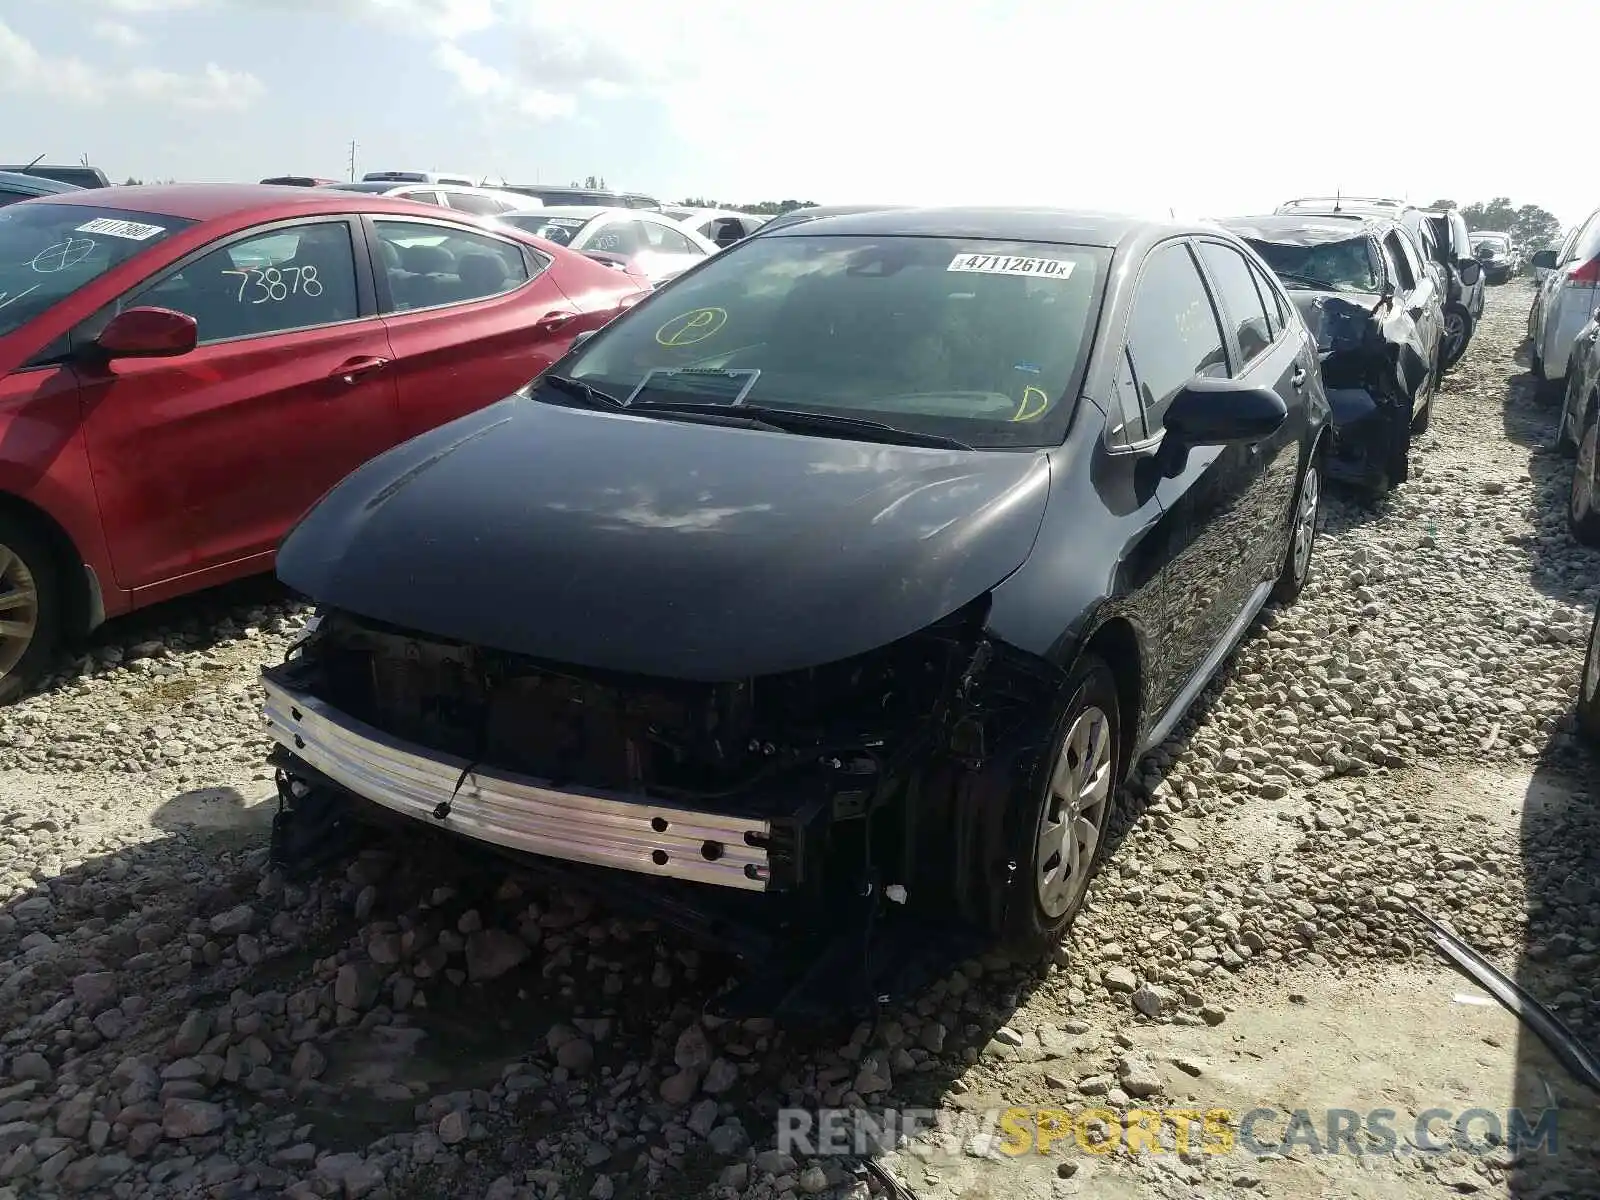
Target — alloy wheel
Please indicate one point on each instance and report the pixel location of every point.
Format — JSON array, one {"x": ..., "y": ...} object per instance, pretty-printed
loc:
[
  {"x": 1305, "y": 522},
  {"x": 19, "y": 608},
  {"x": 1069, "y": 826},
  {"x": 1581, "y": 501},
  {"x": 1455, "y": 332}
]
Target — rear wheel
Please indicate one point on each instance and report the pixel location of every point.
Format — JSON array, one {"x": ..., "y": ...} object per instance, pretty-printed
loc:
[
  {"x": 1063, "y": 835},
  {"x": 1302, "y": 534},
  {"x": 30, "y": 606},
  {"x": 1582, "y": 516},
  {"x": 1457, "y": 333}
]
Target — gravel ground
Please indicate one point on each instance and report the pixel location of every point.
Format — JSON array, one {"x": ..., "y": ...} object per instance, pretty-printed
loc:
[{"x": 179, "y": 1021}]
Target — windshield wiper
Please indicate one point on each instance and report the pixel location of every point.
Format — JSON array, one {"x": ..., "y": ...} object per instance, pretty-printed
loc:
[
  {"x": 586, "y": 392},
  {"x": 1321, "y": 285},
  {"x": 795, "y": 421}
]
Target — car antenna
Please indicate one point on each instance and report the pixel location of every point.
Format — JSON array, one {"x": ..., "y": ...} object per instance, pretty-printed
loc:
[
  {"x": 1338, "y": 195},
  {"x": 35, "y": 162}
]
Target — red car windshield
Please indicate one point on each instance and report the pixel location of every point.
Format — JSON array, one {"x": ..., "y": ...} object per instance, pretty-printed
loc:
[{"x": 48, "y": 251}]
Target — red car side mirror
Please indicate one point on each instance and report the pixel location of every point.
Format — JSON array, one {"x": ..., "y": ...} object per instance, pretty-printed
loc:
[{"x": 148, "y": 333}]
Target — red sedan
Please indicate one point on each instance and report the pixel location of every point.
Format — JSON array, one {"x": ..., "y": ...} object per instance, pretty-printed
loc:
[{"x": 185, "y": 370}]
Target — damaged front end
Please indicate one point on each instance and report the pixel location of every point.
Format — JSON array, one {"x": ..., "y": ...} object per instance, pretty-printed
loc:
[
  {"x": 824, "y": 789},
  {"x": 1375, "y": 371}
]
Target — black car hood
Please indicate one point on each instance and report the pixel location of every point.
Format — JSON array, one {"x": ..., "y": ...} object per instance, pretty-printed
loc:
[
  {"x": 1336, "y": 319},
  {"x": 665, "y": 548}
]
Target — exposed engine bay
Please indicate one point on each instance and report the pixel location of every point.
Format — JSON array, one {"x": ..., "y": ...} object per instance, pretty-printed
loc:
[
  {"x": 663, "y": 738},
  {"x": 828, "y": 782}
]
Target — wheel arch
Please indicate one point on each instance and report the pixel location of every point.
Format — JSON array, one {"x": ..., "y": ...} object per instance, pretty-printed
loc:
[
  {"x": 84, "y": 605},
  {"x": 1116, "y": 642}
]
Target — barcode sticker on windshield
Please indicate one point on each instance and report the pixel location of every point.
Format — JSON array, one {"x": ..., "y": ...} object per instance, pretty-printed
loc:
[
  {"x": 134, "y": 231},
  {"x": 1002, "y": 264}
]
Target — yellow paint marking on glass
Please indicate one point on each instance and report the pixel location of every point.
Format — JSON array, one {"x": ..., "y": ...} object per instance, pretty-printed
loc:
[
  {"x": 696, "y": 325},
  {"x": 1034, "y": 402}
]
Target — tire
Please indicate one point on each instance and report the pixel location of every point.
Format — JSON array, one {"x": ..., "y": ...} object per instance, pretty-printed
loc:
[
  {"x": 1589, "y": 685},
  {"x": 1455, "y": 346},
  {"x": 1302, "y": 524},
  {"x": 1583, "y": 505},
  {"x": 1084, "y": 761},
  {"x": 1424, "y": 417},
  {"x": 1566, "y": 443},
  {"x": 27, "y": 566},
  {"x": 1545, "y": 389}
]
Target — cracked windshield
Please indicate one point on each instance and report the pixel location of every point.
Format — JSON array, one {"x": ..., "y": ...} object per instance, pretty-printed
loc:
[{"x": 772, "y": 605}]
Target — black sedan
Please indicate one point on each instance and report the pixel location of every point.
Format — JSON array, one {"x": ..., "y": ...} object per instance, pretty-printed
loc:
[{"x": 864, "y": 560}]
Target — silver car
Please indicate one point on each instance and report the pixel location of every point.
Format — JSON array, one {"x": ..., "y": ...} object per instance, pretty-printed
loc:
[
  {"x": 1579, "y": 430},
  {"x": 649, "y": 243},
  {"x": 482, "y": 202},
  {"x": 1564, "y": 303},
  {"x": 723, "y": 226}
]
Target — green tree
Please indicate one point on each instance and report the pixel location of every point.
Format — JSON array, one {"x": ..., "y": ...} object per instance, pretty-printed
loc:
[
  {"x": 1443, "y": 204},
  {"x": 132, "y": 182},
  {"x": 1530, "y": 226},
  {"x": 1534, "y": 228},
  {"x": 1494, "y": 217}
]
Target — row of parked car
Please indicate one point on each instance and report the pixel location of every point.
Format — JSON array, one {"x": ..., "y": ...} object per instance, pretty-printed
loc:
[
  {"x": 248, "y": 315},
  {"x": 860, "y": 559},
  {"x": 626, "y": 230}
]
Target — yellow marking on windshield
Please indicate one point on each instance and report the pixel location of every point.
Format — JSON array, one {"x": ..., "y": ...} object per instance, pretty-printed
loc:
[
  {"x": 696, "y": 325},
  {"x": 1034, "y": 402}
]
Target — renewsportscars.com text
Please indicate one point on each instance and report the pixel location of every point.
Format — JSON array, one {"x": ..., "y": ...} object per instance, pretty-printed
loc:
[{"x": 1013, "y": 1132}]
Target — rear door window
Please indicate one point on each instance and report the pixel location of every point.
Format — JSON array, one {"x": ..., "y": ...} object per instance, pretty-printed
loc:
[
  {"x": 431, "y": 265},
  {"x": 1242, "y": 303}
]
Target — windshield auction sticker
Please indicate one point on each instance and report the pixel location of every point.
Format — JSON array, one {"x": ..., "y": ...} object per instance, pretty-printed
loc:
[
  {"x": 134, "y": 231},
  {"x": 696, "y": 325},
  {"x": 1001, "y": 264}
]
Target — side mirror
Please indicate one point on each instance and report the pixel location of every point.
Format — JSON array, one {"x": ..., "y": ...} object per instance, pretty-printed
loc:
[
  {"x": 1471, "y": 271},
  {"x": 1544, "y": 259},
  {"x": 1224, "y": 412},
  {"x": 148, "y": 333},
  {"x": 583, "y": 337}
]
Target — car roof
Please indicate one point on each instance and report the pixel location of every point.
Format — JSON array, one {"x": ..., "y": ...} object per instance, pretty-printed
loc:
[
  {"x": 37, "y": 185},
  {"x": 587, "y": 211},
  {"x": 1306, "y": 229},
  {"x": 210, "y": 201},
  {"x": 1062, "y": 225}
]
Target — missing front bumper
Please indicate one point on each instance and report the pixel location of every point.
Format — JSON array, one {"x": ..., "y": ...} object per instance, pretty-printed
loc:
[{"x": 516, "y": 812}]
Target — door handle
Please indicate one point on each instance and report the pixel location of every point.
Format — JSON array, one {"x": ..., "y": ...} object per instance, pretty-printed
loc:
[
  {"x": 552, "y": 321},
  {"x": 1299, "y": 376},
  {"x": 356, "y": 368}
]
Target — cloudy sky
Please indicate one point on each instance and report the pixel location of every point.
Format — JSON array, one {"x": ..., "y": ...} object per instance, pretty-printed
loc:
[{"x": 1141, "y": 105}]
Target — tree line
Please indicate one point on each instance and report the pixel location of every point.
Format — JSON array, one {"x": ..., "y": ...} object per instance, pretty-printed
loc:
[{"x": 1530, "y": 227}]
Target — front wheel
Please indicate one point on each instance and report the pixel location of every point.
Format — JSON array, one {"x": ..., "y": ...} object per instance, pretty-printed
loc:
[
  {"x": 1424, "y": 416},
  {"x": 1065, "y": 829},
  {"x": 1566, "y": 438},
  {"x": 30, "y": 607},
  {"x": 1582, "y": 517}
]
